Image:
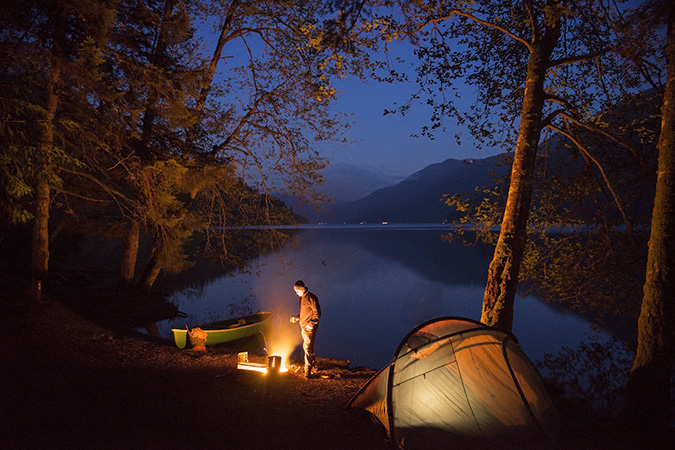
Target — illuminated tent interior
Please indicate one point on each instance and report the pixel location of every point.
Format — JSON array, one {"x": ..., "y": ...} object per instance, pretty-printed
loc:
[{"x": 456, "y": 383}]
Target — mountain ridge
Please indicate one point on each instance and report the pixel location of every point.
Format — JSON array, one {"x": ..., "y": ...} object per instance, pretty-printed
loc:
[{"x": 419, "y": 197}]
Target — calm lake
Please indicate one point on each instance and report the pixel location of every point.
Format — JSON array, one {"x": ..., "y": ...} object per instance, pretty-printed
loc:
[{"x": 375, "y": 283}]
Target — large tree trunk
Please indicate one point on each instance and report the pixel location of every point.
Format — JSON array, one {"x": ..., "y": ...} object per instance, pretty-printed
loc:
[
  {"x": 130, "y": 255},
  {"x": 152, "y": 271},
  {"x": 504, "y": 269},
  {"x": 131, "y": 243},
  {"x": 40, "y": 244},
  {"x": 648, "y": 393},
  {"x": 154, "y": 266}
]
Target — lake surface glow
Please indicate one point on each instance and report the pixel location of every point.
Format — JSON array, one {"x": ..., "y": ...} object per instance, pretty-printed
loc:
[{"x": 375, "y": 284}]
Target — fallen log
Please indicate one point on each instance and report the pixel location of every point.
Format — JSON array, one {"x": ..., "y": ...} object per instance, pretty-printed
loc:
[{"x": 332, "y": 362}]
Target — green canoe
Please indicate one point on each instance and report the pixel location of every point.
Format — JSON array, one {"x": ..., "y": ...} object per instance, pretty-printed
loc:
[{"x": 226, "y": 330}]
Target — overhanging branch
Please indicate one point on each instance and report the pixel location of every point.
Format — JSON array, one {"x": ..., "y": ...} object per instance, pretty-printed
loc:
[
  {"x": 244, "y": 120},
  {"x": 549, "y": 118},
  {"x": 578, "y": 58},
  {"x": 469, "y": 16},
  {"x": 604, "y": 133},
  {"x": 582, "y": 148}
]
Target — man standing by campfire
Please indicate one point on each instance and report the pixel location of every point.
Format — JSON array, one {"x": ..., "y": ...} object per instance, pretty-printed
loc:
[{"x": 310, "y": 313}]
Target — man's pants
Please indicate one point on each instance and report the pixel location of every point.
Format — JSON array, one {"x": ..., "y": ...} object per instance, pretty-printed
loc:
[{"x": 308, "y": 338}]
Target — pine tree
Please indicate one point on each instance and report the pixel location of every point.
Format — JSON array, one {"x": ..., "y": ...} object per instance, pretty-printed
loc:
[{"x": 50, "y": 47}]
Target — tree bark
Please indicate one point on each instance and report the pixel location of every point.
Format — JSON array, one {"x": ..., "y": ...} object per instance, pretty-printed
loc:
[
  {"x": 40, "y": 244},
  {"x": 648, "y": 389},
  {"x": 223, "y": 38},
  {"x": 500, "y": 289},
  {"x": 130, "y": 255},
  {"x": 153, "y": 96},
  {"x": 154, "y": 266},
  {"x": 151, "y": 273},
  {"x": 131, "y": 244}
]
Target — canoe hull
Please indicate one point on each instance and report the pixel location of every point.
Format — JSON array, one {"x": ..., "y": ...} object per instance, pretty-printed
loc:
[{"x": 221, "y": 332}]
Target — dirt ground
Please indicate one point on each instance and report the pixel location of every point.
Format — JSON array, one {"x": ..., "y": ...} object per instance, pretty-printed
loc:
[{"x": 68, "y": 383}]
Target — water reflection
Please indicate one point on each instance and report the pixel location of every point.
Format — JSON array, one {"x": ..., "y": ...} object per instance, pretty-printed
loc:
[
  {"x": 595, "y": 373},
  {"x": 375, "y": 285}
]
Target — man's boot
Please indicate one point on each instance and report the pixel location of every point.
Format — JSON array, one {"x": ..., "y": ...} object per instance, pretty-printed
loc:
[{"x": 308, "y": 371}]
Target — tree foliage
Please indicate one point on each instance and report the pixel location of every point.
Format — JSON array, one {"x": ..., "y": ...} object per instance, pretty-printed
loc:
[
  {"x": 541, "y": 78},
  {"x": 578, "y": 251},
  {"x": 157, "y": 129}
]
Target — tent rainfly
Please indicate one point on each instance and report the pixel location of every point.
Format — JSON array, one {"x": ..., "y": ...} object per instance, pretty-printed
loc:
[{"x": 455, "y": 383}]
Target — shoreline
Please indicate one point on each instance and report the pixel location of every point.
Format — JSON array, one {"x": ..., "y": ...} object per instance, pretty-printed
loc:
[{"x": 68, "y": 382}]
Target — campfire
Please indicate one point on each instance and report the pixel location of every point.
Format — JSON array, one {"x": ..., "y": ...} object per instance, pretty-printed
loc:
[
  {"x": 280, "y": 341},
  {"x": 272, "y": 366}
]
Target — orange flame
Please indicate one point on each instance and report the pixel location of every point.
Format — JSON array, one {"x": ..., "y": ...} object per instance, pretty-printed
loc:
[
  {"x": 283, "y": 340},
  {"x": 245, "y": 364}
]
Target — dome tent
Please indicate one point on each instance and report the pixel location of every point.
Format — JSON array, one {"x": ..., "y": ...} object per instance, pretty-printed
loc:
[{"x": 455, "y": 383}]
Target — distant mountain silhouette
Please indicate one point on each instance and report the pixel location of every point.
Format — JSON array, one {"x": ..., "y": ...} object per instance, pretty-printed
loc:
[
  {"x": 342, "y": 183},
  {"x": 419, "y": 198},
  {"x": 347, "y": 183}
]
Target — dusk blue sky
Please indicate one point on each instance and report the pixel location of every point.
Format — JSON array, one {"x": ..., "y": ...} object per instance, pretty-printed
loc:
[
  {"x": 382, "y": 144},
  {"x": 385, "y": 143},
  {"x": 385, "y": 149},
  {"x": 382, "y": 150}
]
